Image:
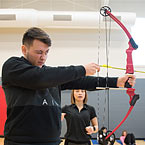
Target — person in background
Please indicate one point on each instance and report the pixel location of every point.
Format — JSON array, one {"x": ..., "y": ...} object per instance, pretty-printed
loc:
[
  {"x": 79, "y": 117},
  {"x": 102, "y": 134},
  {"x": 130, "y": 139},
  {"x": 33, "y": 91},
  {"x": 127, "y": 138},
  {"x": 123, "y": 136}
]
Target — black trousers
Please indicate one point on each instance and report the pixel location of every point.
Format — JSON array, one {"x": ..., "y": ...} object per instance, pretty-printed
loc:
[
  {"x": 130, "y": 139},
  {"x": 70, "y": 142}
]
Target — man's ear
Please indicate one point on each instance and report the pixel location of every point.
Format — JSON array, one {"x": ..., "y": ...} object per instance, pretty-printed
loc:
[{"x": 24, "y": 50}]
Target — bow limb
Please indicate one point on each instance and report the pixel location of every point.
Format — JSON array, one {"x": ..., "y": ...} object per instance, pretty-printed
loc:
[
  {"x": 129, "y": 111},
  {"x": 132, "y": 101},
  {"x": 106, "y": 11},
  {"x": 131, "y": 40},
  {"x": 132, "y": 44}
]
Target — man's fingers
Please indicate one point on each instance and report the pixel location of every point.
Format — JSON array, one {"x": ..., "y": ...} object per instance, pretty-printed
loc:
[
  {"x": 131, "y": 79},
  {"x": 98, "y": 68},
  {"x": 131, "y": 76},
  {"x": 91, "y": 68}
]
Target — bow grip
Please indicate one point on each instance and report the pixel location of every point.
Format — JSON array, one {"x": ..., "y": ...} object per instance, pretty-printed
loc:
[{"x": 127, "y": 85}]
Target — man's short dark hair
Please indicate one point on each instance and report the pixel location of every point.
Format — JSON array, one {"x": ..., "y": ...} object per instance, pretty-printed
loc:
[{"x": 35, "y": 33}]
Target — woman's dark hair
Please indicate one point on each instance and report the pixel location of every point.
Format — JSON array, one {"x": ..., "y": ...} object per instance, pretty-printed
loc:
[
  {"x": 103, "y": 128},
  {"x": 35, "y": 33}
]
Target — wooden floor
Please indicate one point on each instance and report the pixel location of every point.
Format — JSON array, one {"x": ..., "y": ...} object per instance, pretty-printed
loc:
[
  {"x": 138, "y": 142},
  {"x": 1, "y": 141}
]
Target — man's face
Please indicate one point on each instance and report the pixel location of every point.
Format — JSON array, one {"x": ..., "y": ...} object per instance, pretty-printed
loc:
[{"x": 37, "y": 53}]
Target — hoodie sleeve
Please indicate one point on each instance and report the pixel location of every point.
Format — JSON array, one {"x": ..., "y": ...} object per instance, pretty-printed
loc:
[
  {"x": 17, "y": 72},
  {"x": 90, "y": 83}
]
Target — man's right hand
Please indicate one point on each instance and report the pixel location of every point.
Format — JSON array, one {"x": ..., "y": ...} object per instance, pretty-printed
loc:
[{"x": 91, "y": 68}]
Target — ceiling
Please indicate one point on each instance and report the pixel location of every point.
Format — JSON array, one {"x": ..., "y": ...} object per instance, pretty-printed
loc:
[
  {"x": 55, "y": 5},
  {"x": 136, "y": 6}
]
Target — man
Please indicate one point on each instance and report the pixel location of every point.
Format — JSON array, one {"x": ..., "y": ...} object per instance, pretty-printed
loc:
[{"x": 33, "y": 91}]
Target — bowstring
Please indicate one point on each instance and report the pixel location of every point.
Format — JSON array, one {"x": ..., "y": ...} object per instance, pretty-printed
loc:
[
  {"x": 98, "y": 62},
  {"x": 107, "y": 96}
]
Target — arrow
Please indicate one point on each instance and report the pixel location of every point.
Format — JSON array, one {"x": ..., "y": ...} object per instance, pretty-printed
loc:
[{"x": 104, "y": 65}]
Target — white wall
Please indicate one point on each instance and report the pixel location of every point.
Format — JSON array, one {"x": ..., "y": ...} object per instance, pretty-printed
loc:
[
  {"x": 136, "y": 6},
  {"x": 72, "y": 46}
]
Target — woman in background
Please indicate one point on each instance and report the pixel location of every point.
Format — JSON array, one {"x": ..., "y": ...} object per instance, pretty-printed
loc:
[
  {"x": 123, "y": 136},
  {"x": 127, "y": 138},
  {"x": 78, "y": 117}
]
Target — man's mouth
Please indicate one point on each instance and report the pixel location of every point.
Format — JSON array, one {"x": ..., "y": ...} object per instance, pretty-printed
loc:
[{"x": 41, "y": 63}]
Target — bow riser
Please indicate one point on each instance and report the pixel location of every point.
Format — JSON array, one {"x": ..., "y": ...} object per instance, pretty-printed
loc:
[{"x": 129, "y": 65}]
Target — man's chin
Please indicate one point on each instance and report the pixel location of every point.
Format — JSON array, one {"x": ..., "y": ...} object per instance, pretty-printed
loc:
[{"x": 39, "y": 65}]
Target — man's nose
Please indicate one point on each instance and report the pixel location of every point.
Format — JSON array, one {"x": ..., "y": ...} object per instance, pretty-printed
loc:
[{"x": 43, "y": 56}]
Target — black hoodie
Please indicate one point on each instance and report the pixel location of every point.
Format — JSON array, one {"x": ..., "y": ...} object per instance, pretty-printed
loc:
[{"x": 33, "y": 97}]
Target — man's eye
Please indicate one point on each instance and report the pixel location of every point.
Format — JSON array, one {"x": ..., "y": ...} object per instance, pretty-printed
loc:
[
  {"x": 46, "y": 52},
  {"x": 39, "y": 52}
]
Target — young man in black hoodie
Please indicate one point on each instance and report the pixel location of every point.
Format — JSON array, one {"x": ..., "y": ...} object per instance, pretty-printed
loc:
[{"x": 33, "y": 91}]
